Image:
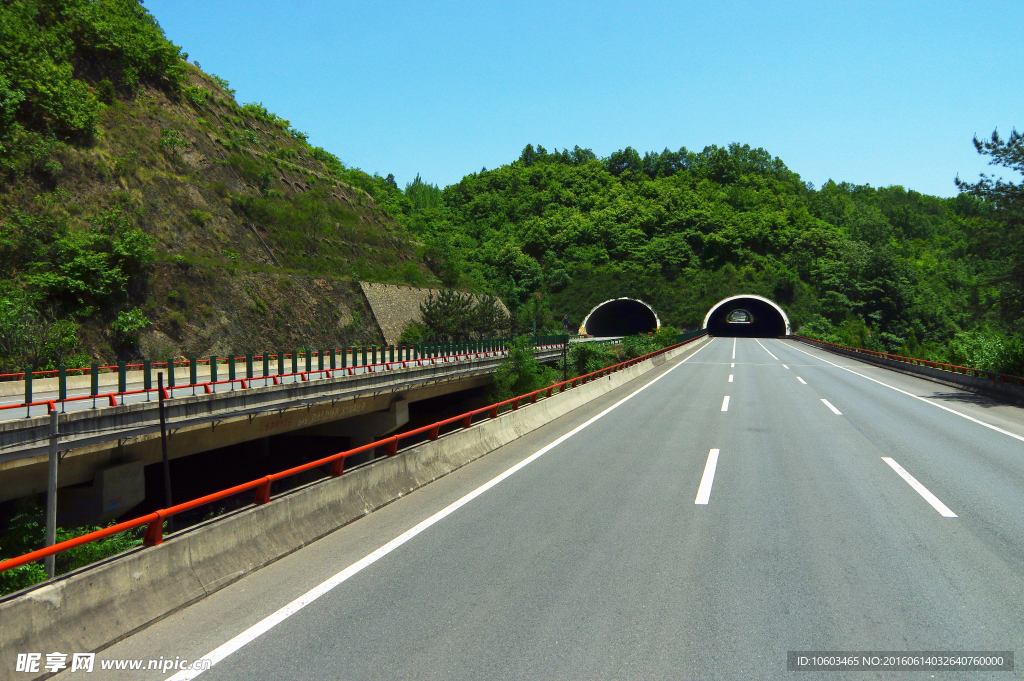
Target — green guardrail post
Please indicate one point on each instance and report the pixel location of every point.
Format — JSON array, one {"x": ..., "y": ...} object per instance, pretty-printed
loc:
[
  {"x": 147, "y": 376},
  {"x": 344, "y": 357},
  {"x": 319, "y": 360},
  {"x": 266, "y": 364},
  {"x": 94, "y": 376},
  {"x": 373, "y": 357},
  {"x": 281, "y": 364},
  {"x": 391, "y": 352},
  {"x": 334, "y": 359},
  {"x": 122, "y": 377},
  {"x": 28, "y": 384},
  {"x": 365, "y": 357},
  {"x": 295, "y": 361},
  {"x": 193, "y": 370},
  {"x": 231, "y": 367},
  {"x": 213, "y": 369},
  {"x": 62, "y": 382},
  {"x": 248, "y": 365},
  {"x": 309, "y": 360},
  {"x": 170, "y": 372}
]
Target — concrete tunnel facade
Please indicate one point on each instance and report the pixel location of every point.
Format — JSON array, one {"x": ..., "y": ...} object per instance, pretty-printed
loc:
[
  {"x": 763, "y": 318},
  {"x": 620, "y": 317}
]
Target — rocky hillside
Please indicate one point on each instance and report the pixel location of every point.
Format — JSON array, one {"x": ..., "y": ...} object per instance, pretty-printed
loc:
[{"x": 149, "y": 214}]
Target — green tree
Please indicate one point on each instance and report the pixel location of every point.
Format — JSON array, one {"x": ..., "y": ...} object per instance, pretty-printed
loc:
[
  {"x": 447, "y": 315},
  {"x": 1002, "y": 235},
  {"x": 520, "y": 372}
]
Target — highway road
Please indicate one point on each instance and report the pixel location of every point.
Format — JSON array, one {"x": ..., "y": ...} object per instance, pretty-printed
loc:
[{"x": 756, "y": 497}]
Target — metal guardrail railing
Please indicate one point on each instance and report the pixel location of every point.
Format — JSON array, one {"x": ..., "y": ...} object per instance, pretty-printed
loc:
[
  {"x": 944, "y": 366},
  {"x": 154, "y": 521},
  {"x": 423, "y": 349},
  {"x": 390, "y": 356}
]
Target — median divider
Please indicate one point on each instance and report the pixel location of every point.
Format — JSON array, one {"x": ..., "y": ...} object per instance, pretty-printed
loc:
[
  {"x": 992, "y": 384},
  {"x": 93, "y": 607}
]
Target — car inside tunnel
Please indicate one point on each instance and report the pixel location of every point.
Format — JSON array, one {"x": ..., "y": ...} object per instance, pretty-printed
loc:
[
  {"x": 746, "y": 317},
  {"x": 620, "y": 317}
]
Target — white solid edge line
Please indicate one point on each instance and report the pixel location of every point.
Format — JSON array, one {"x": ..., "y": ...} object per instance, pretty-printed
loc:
[
  {"x": 920, "y": 489},
  {"x": 269, "y": 622},
  {"x": 917, "y": 397},
  {"x": 706, "y": 480},
  {"x": 734, "y": 348},
  {"x": 801, "y": 380},
  {"x": 766, "y": 349},
  {"x": 725, "y": 403},
  {"x": 730, "y": 378},
  {"x": 829, "y": 405}
]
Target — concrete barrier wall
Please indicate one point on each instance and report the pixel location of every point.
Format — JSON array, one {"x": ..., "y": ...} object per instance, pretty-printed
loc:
[
  {"x": 94, "y": 607},
  {"x": 999, "y": 390}
]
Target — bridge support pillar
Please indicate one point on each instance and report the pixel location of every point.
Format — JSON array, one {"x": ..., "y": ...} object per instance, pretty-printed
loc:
[{"x": 114, "y": 491}]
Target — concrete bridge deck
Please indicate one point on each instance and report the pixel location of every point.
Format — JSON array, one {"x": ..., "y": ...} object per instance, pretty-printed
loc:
[{"x": 91, "y": 439}]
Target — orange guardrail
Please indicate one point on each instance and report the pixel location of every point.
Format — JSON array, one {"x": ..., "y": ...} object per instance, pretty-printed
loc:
[
  {"x": 154, "y": 521},
  {"x": 954, "y": 368}
]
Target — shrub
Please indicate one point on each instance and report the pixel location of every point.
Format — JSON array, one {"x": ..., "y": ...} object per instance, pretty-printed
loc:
[
  {"x": 127, "y": 326},
  {"x": 411, "y": 274},
  {"x": 17, "y": 321},
  {"x": 414, "y": 332},
  {"x": 636, "y": 346},
  {"x": 222, "y": 84},
  {"x": 260, "y": 113},
  {"x": 105, "y": 91},
  {"x": 196, "y": 96},
  {"x": 520, "y": 372},
  {"x": 172, "y": 140},
  {"x": 199, "y": 218},
  {"x": 27, "y": 531},
  {"x": 584, "y": 358}
]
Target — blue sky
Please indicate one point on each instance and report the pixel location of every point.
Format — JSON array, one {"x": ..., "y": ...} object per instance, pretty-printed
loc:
[{"x": 867, "y": 92}]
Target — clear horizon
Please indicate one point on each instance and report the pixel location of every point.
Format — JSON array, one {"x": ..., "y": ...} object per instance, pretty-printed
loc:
[{"x": 862, "y": 94}]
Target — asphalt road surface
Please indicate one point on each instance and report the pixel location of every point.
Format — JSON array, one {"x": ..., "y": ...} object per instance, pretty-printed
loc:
[{"x": 760, "y": 497}]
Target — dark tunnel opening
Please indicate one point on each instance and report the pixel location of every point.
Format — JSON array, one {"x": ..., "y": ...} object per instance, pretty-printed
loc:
[
  {"x": 764, "y": 321},
  {"x": 622, "y": 317}
]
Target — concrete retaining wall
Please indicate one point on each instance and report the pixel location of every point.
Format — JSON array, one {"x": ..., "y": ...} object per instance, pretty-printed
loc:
[
  {"x": 999, "y": 390},
  {"x": 94, "y": 607}
]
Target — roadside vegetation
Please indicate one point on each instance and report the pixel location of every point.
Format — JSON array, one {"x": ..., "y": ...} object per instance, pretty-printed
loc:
[{"x": 26, "y": 532}]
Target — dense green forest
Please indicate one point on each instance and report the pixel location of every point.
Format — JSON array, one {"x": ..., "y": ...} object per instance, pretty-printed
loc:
[
  {"x": 885, "y": 268},
  {"x": 136, "y": 196}
]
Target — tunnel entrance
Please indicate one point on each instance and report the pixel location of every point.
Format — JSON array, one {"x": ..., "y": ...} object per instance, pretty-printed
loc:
[
  {"x": 620, "y": 317},
  {"x": 747, "y": 316}
]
